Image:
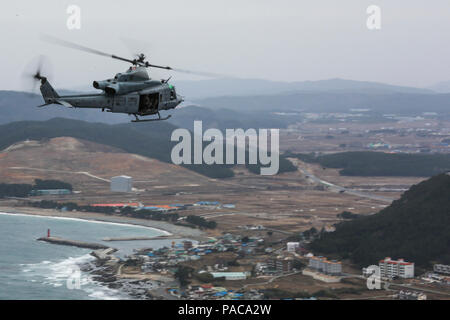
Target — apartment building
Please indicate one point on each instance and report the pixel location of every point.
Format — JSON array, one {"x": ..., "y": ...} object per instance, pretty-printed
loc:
[
  {"x": 441, "y": 268},
  {"x": 396, "y": 268},
  {"x": 326, "y": 266}
]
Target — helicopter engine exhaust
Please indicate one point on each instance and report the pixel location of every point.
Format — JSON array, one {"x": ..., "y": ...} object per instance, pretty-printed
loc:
[
  {"x": 108, "y": 87},
  {"x": 100, "y": 85},
  {"x": 112, "y": 89}
]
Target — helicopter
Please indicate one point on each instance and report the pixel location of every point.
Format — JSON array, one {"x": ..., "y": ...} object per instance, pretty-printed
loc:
[{"x": 131, "y": 92}]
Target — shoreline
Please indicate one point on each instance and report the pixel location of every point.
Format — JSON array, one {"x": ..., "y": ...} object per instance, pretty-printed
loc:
[
  {"x": 100, "y": 279},
  {"x": 160, "y": 226},
  {"x": 105, "y": 275}
]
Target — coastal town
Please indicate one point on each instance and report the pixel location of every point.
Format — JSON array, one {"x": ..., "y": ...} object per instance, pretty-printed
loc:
[
  {"x": 224, "y": 159},
  {"x": 244, "y": 237},
  {"x": 252, "y": 264},
  {"x": 253, "y": 267},
  {"x": 202, "y": 257}
]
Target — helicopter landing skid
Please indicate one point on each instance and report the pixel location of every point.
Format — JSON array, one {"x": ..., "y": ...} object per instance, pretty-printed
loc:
[{"x": 147, "y": 120}]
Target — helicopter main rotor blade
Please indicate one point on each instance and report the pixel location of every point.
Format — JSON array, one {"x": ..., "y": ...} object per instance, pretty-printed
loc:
[
  {"x": 142, "y": 63},
  {"x": 146, "y": 64},
  {"x": 198, "y": 73},
  {"x": 201, "y": 73},
  {"x": 68, "y": 44}
]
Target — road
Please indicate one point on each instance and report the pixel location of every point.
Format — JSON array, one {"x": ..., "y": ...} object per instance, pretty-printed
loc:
[
  {"x": 311, "y": 177},
  {"x": 62, "y": 171},
  {"x": 389, "y": 285},
  {"x": 270, "y": 280},
  {"x": 413, "y": 288}
]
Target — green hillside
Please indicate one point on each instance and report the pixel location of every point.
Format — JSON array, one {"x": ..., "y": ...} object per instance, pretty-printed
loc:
[
  {"x": 416, "y": 227},
  {"x": 149, "y": 140},
  {"x": 366, "y": 163}
]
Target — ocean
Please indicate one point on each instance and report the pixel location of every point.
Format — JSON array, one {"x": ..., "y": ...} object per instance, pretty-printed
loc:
[{"x": 31, "y": 269}]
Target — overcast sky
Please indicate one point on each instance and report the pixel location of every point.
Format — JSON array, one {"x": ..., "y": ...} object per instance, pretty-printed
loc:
[{"x": 291, "y": 40}]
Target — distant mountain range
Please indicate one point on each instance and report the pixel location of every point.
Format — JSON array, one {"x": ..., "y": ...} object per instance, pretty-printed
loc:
[
  {"x": 199, "y": 89},
  {"x": 405, "y": 104},
  {"x": 416, "y": 227},
  {"x": 228, "y": 103},
  {"x": 251, "y": 87},
  {"x": 441, "y": 87}
]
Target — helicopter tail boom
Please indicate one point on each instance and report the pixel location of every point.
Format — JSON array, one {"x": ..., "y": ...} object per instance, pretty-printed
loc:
[{"x": 48, "y": 93}]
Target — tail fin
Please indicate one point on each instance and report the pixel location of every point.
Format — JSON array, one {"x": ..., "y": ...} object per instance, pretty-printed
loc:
[{"x": 48, "y": 93}]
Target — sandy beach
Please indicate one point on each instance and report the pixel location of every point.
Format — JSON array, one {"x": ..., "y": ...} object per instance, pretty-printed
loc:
[{"x": 168, "y": 228}]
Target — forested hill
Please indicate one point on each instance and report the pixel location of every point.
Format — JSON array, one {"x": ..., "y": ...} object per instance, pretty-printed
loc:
[
  {"x": 147, "y": 139},
  {"x": 416, "y": 227},
  {"x": 370, "y": 164}
]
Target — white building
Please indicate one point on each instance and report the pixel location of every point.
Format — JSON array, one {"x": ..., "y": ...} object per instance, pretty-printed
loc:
[
  {"x": 396, "y": 268},
  {"x": 441, "y": 268},
  {"x": 410, "y": 295},
  {"x": 292, "y": 246},
  {"x": 121, "y": 184},
  {"x": 230, "y": 275},
  {"x": 321, "y": 264}
]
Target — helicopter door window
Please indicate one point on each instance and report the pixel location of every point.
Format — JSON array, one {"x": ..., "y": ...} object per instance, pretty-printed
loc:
[{"x": 154, "y": 99}]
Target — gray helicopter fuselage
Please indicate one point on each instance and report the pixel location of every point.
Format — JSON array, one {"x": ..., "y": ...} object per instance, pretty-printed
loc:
[{"x": 131, "y": 92}]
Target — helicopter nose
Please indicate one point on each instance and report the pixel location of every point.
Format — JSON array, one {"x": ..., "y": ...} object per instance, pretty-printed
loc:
[{"x": 179, "y": 99}]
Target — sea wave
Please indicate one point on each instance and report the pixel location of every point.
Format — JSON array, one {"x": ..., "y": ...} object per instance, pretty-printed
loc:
[{"x": 58, "y": 274}]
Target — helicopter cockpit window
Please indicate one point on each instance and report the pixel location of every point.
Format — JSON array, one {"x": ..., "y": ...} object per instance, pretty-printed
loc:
[{"x": 172, "y": 95}]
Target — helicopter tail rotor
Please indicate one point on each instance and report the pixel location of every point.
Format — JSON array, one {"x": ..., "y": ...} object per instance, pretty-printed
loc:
[{"x": 42, "y": 66}]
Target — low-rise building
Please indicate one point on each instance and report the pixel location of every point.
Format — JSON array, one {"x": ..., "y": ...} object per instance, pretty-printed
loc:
[
  {"x": 50, "y": 192},
  {"x": 280, "y": 264},
  {"x": 441, "y": 268},
  {"x": 324, "y": 265},
  {"x": 230, "y": 275},
  {"x": 187, "y": 245},
  {"x": 207, "y": 203},
  {"x": 410, "y": 295},
  {"x": 292, "y": 246},
  {"x": 121, "y": 184},
  {"x": 396, "y": 268},
  {"x": 229, "y": 206}
]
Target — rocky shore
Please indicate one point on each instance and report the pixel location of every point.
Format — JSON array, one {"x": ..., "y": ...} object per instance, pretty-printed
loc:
[{"x": 106, "y": 270}]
